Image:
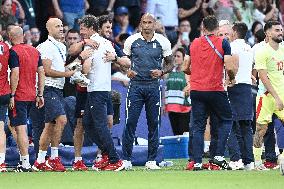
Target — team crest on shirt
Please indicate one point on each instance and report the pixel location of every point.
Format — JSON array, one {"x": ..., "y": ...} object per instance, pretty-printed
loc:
[
  {"x": 1, "y": 49},
  {"x": 154, "y": 45}
]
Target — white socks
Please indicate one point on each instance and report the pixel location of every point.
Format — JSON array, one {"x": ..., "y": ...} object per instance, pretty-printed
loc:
[
  {"x": 26, "y": 162},
  {"x": 54, "y": 152},
  {"x": 2, "y": 158},
  {"x": 78, "y": 159},
  {"x": 219, "y": 158},
  {"x": 41, "y": 156}
]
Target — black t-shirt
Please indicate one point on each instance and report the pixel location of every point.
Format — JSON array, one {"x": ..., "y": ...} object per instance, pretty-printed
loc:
[{"x": 195, "y": 19}]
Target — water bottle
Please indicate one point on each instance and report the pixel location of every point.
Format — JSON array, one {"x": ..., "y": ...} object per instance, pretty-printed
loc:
[{"x": 166, "y": 164}]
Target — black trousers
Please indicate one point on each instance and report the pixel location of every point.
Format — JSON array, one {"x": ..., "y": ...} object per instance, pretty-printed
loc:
[{"x": 179, "y": 122}]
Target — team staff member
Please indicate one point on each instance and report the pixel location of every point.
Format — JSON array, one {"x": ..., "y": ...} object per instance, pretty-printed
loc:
[
  {"x": 4, "y": 100},
  {"x": 53, "y": 58},
  {"x": 24, "y": 62},
  {"x": 207, "y": 91},
  {"x": 95, "y": 115},
  {"x": 146, "y": 50},
  {"x": 240, "y": 95}
]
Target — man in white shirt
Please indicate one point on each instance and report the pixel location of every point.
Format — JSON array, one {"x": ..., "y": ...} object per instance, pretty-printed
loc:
[
  {"x": 53, "y": 54},
  {"x": 241, "y": 100},
  {"x": 95, "y": 115},
  {"x": 165, "y": 11}
]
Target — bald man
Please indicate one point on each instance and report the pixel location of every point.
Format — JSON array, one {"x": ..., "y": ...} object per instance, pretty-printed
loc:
[
  {"x": 25, "y": 63},
  {"x": 146, "y": 50},
  {"x": 53, "y": 54}
]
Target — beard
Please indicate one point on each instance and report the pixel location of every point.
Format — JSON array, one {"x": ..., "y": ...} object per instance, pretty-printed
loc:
[{"x": 277, "y": 40}]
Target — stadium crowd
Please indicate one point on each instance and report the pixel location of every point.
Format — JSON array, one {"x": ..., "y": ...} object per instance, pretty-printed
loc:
[{"x": 222, "y": 61}]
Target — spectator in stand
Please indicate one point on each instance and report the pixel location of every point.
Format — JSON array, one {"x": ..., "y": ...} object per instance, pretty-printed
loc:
[
  {"x": 4, "y": 100},
  {"x": 134, "y": 7},
  {"x": 183, "y": 34},
  {"x": 27, "y": 35},
  {"x": 191, "y": 10},
  {"x": 6, "y": 16},
  {"x": 35, "y": 36},
  {"x": 72, "y": 36},
  {"x": 122, "y": 24},
  {"x": 264, "y": 11},
  {"x": 100, "y": 7},
  {"x": 246, "y": 9},
  {"x": 160, "y": 28},
  {"x": 18, "y": 12},
  {"x": 225, "y": 9},
  {"x": 29, "y": 9},
  {"x": 25, "y": 62},
  {"x": 254, "y": 28},
  {"x": 177, "y": 95},
  {"x": 166, "y": 12},
  {"x": 70, "y": 10}
]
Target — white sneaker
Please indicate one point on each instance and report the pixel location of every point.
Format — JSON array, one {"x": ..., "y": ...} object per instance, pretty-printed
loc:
[
  {"x": 281, "y": 163},
  {"x": 260, "y": 167},
  {"x": 236, "y": 165},
  {"x": 249, "y": 167},
  {"x": 127, "y": 165},
  {"x": 99, "y": 158},
  {"x": 152, "y": 165}
]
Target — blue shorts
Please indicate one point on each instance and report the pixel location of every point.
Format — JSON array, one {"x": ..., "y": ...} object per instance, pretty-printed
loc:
[
  {"x": 19, "y": 115},
  {"x": 240, "y": 96},
  {"x": 4, "y": 101},
  {"x": 3, "y": 112},
  {"x": 54, "y": 103},
  {"x": 109, "y": 105},
  {"x": 81, "y": 99}
]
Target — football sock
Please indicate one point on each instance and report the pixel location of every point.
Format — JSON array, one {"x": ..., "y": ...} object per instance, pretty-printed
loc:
[{"x": 54, "y": 152}]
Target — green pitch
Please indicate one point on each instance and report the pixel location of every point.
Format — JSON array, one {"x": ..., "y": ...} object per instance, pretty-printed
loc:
[{"x": 174, "y": 177}]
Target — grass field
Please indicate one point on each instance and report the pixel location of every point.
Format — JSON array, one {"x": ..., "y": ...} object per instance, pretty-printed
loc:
[{"x": 174, "y": 177}]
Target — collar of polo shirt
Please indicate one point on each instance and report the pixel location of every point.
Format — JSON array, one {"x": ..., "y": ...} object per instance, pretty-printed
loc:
[
  {"x": 153, "y": 38},
  {"x": 53, "y": 39}
]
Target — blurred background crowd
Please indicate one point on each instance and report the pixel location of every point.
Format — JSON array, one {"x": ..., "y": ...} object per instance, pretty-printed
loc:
[{"x": 179, "y": 20}]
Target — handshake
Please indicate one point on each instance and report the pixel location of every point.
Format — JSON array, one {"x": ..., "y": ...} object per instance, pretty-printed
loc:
[{"x": 77, "y": 77}]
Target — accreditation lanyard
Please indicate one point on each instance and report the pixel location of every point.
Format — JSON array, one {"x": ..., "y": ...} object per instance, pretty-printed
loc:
[{"x": 62, "y": 56}]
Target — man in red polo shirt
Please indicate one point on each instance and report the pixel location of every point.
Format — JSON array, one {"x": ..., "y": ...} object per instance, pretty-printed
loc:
[
  {"x": 208, "y": 56},
  {"x": 25, "y": 63},
  {"x": 4, "y": 100}
]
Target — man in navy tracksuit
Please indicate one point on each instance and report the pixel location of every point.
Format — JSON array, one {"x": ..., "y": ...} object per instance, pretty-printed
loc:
[{"x": 146, "y": 51}]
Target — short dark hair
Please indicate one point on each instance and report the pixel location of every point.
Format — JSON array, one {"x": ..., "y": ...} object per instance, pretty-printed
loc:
[
  {"x": 241, "y": 28},
  {"x": 123, "y": 36},
  {"x": 104, "y": 19},
  {"x": 73, "y": 31},
  {"x": 210, "y": 23},
  {"x": 254, "y": 26},
  {"x": 269, "y": 25},
  {"x": 182, "y": 50},
  {"x": 89, "y": 21},
  {"x": 259, "y": 35}
]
